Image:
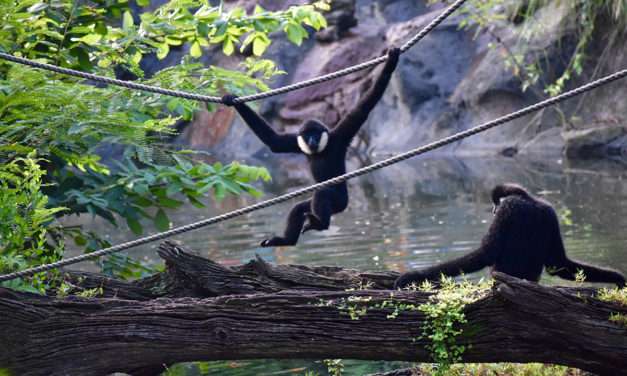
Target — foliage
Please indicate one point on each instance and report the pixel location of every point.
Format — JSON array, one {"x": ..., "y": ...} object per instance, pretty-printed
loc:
[
  {"x": 70, "y": 122},
  {"x": 619, "y": 318},
  {"x": 25, "y": 218},
  {"x": 587, "y": 16},
  {"x": 506, "y": 369},
  {"x": 445, "y": 319},
  {"x": 46, "y": 116},
  {"x": 613, "y": 295},
  {"x": 354, "y": 306},
  {"x": 66, "y": 288},
  {"x": 100, "y": 34},
  {"x": 335, "y": 367}
]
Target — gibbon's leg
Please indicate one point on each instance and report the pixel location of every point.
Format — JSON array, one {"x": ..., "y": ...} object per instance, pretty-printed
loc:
[
  {"x": 568, "y": 269},
  {"x": 295, "y": 221},
  {"x": 557, "y": 263},
  {"x": 321, "y": 210}
]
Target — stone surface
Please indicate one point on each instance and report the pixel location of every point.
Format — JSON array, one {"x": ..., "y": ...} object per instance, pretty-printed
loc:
[
  {"x": 450, "y": 81},
  {"x": 591, "y": 142}
]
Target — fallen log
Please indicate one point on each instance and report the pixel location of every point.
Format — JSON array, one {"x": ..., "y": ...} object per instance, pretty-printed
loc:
[
  {"x": 188, "y": 275},
  {"x": 517, "y": 321}
]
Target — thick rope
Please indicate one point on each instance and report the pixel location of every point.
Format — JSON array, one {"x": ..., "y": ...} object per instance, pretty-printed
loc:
[
  {"x": 367, "y": 64},
  {"x": 213, "y": 99},
  {"x": 339, "y": 179}
]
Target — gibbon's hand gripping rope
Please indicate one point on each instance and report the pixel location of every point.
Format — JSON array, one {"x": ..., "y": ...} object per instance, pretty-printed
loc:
[
  {"x": 247, "y": 98},
  {"x": 365, "y": 170}
]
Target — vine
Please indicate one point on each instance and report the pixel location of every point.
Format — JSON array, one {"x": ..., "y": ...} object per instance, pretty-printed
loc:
[{"x": 445, "y": 318}]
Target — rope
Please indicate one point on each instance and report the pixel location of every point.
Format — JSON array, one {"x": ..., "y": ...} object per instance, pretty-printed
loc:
[
  {"x": 339, "y": 179},
  {"x": 208, "y": 98}
]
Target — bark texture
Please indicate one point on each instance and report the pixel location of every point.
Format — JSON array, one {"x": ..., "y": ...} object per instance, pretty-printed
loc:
[{"x": 254, "y": 312}]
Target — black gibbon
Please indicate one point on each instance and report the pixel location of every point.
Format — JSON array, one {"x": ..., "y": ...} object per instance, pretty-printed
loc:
[
  {"x": 326, "y": 153},
  {"x": 524, "y": 237}
]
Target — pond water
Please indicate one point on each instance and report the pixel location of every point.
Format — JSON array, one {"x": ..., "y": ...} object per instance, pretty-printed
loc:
[{"x": 411, "y": 215}]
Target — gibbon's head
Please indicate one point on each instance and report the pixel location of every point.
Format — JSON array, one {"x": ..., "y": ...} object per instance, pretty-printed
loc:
[
  {"x": 504, "y": 190},
  {"x": 313, "y": 137}
]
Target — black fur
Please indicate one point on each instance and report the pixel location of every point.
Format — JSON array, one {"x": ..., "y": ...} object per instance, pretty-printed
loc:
[
  {"x": 523, "y": 239},
  {"x": 324, "y": 165}
]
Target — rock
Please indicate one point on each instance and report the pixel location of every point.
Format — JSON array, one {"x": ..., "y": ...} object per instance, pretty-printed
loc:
[
  {"x": 208, "y": 128},
  {"x": 591, "y": 142},
  {"x": 547, "y": 143},
  {"x": 329, "y": 100},
  {"x": 450, "y": 81}
]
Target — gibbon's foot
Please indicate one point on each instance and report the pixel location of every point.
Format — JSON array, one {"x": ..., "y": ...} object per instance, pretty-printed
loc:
[
  {"x": 307, "y": 227},
  {"x": 313, "y": 223},
  {"x": 229, "y": 100},
  {"x": 393, "y": 54},
  {"x": 276, "y": 241}
]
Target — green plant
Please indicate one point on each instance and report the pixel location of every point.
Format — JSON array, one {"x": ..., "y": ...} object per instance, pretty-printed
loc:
[
  {"x": 335, "y": 367},
  {"x": 613, "y": 295},
  {"x": 100, "y": 34},
  {"x": 619, "y": 318},
  {"x": 25, "y": 221},
  {"x": 67, "y": 120},
  {"x": 618, "y": 296},
  {"x": 445, "y": 318},
  {"x": 506, "y": 369},
  {"x": 587, "y": 16}
]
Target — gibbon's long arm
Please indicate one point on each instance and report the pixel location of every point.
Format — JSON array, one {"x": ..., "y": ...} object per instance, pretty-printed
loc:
[
  {"x": 469, "y": 263},
  {"x": 476, "y": 260},
  {"x": 277, "y": 142},
  {"x": 349, "y": 125}
]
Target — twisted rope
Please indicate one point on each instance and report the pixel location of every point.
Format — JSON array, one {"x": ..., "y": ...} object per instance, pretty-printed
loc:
[
  {"x": 355, "y": 68},
  {"x": 213, "y": 99},
  {"x": 339, "y": 179}
]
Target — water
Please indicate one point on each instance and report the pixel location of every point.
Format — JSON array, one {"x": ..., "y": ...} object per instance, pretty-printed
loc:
[{"x": 412, "y": 215}]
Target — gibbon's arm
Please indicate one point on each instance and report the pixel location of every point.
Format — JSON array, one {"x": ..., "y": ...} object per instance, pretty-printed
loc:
[
  {"x": 474, "y": 261},
  {"x": 469, "y": 263},
  {"x": 558, "y": 263},
  {"x": 277, "y": 142},
  {"x": 349, "y": 125}
]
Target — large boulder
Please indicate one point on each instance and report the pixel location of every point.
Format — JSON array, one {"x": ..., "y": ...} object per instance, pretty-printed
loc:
[{"x": 592, "y": 142}]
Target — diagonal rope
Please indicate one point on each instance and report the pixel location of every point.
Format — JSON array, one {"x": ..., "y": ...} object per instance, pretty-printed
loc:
[
  {"x": 339, "y": 179},
  {"x": 213, "y": 99}
]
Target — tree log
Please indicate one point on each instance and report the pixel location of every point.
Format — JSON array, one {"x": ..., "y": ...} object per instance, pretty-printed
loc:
[
  {"x": 187, "y": 275},
  {"x": 518, "y": 321}
]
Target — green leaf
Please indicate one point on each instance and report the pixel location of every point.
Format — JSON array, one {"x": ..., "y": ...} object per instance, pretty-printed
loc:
[
  {"x": 228, "y": 47},
  {"x": 295, "y": 33},
  {"x": 134, "y": 225},
  {"x": 169, "y": 202},
  {"x": 91, "y": 39},
  {"x": 163, "y": 51},
  {"x": 162, "y": 222},
  {"x": 143, "y": 3},
  {"x": 37, "y": 7},
  {"x": 259, "y": 46},
  {"x": 195, "y": 49},
  {"x": 127, "y": 21}
]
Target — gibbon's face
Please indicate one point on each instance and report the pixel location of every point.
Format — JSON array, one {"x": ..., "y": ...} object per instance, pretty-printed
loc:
[{"x": 313, "y": 137}]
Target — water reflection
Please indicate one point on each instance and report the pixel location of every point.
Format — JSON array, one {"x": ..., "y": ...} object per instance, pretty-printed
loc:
[{"x": 417, "y": 213}]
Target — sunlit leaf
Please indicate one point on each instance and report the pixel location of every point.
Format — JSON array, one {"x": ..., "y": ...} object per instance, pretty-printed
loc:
[
  {"x": 127, "y": 21},
  {"x": 195, "y": 50}
]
